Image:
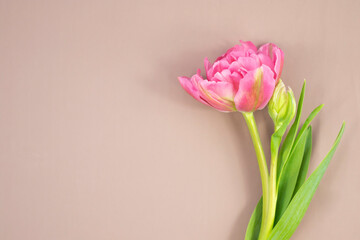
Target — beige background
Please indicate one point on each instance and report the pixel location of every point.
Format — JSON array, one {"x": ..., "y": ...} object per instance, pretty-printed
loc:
[{"x": 99, "y": 141}]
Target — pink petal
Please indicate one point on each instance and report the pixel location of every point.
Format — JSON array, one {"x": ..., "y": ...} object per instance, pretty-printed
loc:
[
  {"x": 224, "y": 90},
  {"x": 223, "y": 76},
  {"x": 187, "y": 84},
  {"x": 245, "y": 64},
  {"x": 255, "y": 89},
  {"x": 276, "y": 55},
  {"x": 230, "y": 77},
  {"x": 226, "y": 55},
  {"x": 208, "y": 66},
  {"x": 218, "y": 66},
  {"x": 245, "y": 49},
  {"x": 248, "y": 46},
  {"x": 236, "y": 77},
  {"x": 219, "y": 95},
  {"x": 279, "y": 62},
  {"x": 266, "y": 60}
]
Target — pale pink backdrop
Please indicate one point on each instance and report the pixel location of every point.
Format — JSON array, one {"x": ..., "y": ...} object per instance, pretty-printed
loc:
[{"x": 99, "y": 141}]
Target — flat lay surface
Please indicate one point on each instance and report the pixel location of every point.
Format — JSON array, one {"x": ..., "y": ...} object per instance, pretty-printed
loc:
[{"x": 98, "y": 140}]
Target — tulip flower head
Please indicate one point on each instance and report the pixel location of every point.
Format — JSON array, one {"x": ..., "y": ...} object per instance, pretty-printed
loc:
[{"x": 243, "y": 79}]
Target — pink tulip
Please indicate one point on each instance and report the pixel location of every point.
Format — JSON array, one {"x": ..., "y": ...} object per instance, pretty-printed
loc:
[{"x": 243, "y": 79}]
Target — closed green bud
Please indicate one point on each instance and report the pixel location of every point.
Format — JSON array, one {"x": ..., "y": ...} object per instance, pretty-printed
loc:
[{"x": 282, "y": 106}]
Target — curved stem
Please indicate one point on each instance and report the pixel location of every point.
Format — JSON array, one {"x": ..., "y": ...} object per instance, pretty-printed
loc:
[
  {"x": 270, "y": 215},
  {"x": 264, "y": 172}
]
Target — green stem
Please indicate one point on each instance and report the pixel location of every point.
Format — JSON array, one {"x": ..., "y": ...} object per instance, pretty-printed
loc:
[
  {"x": 264, "y": 172},
  {"x": 270, "y": 215}
]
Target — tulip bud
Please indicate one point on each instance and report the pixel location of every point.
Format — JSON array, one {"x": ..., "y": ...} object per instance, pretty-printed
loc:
[{"x": 282, "y": 106}]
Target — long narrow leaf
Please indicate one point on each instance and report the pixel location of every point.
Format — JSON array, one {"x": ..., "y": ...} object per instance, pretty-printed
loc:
[
  {"x": 308, "y": 121},
  {"x": 253, "y": 228},
  {"x": 290, "y": 137},
  {"x": 305, "y": 162},
  {"x": 289, "y": 176},
  {"x": 298, "y": 206},
  {"x": 301, "y": 132}
]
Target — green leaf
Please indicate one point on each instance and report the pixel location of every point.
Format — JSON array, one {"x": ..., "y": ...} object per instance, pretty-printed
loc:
[
  {"x": 300, "y": 135},
  {"x": 253, "y": 228},
  {"x": 289, "y": 176},
  {"x": 290, "y": 137},
  {"x": 308, "y": 121},
  {"x": 298, "y": 206},
  {"x": 305, "y": 162}
]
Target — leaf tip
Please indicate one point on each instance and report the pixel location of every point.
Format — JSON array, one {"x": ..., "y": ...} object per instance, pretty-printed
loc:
[
  {"x": 304, "y": 85},
  {"x": 342, "y": 127}
]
